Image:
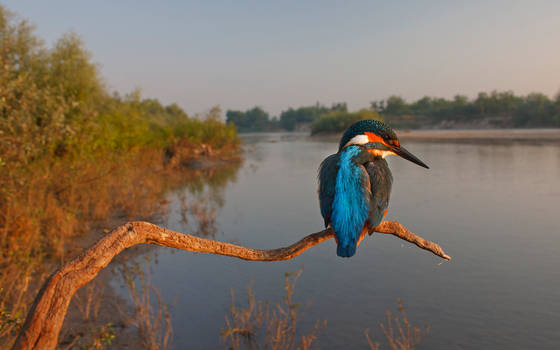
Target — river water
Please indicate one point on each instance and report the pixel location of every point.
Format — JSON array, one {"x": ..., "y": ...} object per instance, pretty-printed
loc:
[{"x": 493, "y": 207}]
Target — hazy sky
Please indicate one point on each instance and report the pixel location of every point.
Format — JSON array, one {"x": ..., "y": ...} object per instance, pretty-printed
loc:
[{"x": 290, "y": 53}]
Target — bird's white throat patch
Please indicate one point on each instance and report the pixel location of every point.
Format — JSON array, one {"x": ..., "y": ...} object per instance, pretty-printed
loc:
[{"x": 357, "y": 140}]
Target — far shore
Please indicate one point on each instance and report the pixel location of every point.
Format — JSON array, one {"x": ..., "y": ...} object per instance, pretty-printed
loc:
[
  {"x": 471, "y": 135},
  {"x": 487, "y": 135}
]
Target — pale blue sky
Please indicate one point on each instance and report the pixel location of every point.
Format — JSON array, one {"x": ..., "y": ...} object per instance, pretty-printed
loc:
[{"x": 290, "y": 53}]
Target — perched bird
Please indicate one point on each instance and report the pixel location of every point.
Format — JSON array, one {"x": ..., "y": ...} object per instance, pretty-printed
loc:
[{"x": 355, "y": 183}]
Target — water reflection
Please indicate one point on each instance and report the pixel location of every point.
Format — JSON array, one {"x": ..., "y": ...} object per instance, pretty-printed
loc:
[
  {"x": 194, "y": 205},
  {"x": 493, "y": 207}
]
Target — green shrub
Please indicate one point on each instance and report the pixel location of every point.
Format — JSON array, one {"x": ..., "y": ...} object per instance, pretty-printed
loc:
[
  {"x": 54, "y": 103},
  {"x": 338, "y": 121}
]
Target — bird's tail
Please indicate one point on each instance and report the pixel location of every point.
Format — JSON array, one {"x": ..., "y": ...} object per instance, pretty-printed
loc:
[{"x": 346, "y": 250}]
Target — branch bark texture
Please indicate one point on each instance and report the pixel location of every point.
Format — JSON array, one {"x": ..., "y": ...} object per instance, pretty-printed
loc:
[{"x": 44, "y": 320}]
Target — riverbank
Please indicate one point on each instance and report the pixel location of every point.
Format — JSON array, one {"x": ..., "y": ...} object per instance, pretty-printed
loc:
[
  {"x": 483, "y": 135},
  {"x": 74, "y": 154},
  {"x": 70, "y": 205},
  {"x": 469, "y": 136},
  {"x": 98, "y": 312}
]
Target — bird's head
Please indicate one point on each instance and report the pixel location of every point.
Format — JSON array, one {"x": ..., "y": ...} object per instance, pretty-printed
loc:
[{"x": 378, "y": 139}]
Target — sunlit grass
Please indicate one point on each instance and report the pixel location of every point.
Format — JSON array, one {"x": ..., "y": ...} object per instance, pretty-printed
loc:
[
  {"x": 151, "y": 319},
  {"x": 403, "y": 335},
  {"x": 262, "y": 325}
]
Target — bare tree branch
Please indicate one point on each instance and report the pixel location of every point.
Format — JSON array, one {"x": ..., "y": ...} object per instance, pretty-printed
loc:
[{"x": 44, "y": 321}]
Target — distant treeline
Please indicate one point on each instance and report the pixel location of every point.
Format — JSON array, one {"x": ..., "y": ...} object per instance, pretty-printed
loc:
[
  {"x": 256, "y": 119},
  {"x": 504, "y": 109},
  {"x": 495, "y": 109},
  {"x": 317, "y": 118}
]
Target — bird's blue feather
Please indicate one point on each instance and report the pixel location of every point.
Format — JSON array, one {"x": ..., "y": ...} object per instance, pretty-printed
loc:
[{"x": 350, "y": 206}]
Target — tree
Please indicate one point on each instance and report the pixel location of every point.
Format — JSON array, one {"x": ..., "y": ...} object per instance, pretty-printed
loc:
[
  {"x": 378, "y": 106},
  {"x": 338, "y": 121},
  {"x": 536, "y": 110},
  {"x": 532, "y": 110},
  {"x": 236, "y": 118},
  {"x": 422, "y": 106},
  {"x": 395, "y": 105},
  {"x": 290, "y": 118},
  {"x": 255, "y": 119}
]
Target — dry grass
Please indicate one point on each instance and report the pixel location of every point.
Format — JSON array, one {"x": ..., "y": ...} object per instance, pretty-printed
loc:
[
  {"x": 47, "y": 209},
  {"x": 90, "y": 327},
  {"x": 87, "y": 300},
  {"x": 261, "y": 325},
  {"x": 403, "y": 336},
  {"x": 152, "y": 319},
  {"x": 98, "y": 338},
  {"x": 73, "y": 154}
]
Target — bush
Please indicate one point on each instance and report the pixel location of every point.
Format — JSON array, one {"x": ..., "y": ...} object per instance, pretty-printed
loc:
[
  {"x": 54, "y": 103},
  {"x": 72, "y": 153},
  {"x": 338, "y": 121}
]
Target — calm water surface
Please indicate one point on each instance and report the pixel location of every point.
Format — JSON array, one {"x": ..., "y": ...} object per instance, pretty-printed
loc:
[{"x": 493, "y": 208}]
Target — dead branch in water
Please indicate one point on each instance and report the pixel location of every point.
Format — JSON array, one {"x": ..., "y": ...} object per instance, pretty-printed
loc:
[{"x": 44, "y": 320}]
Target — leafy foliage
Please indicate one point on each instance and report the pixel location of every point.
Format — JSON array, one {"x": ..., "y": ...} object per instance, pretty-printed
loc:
[
  {"x": 290, "y": 118},
  {"x": 533, "y": 110},
  {"x": 338, "y": 121},
  {"x": 54, "y": 103},
  {"x": 407, "y": 337},
  {"x": 256, "y": 119},
  {"x": 63, "y": 137},
  {"x": 501, "y": 109}
]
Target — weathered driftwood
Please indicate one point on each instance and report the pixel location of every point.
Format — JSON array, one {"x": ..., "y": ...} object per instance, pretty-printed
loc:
[{"x": 44, "y": 321}]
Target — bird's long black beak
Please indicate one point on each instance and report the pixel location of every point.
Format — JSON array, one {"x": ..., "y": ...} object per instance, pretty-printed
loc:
[{"x": 401, "y": 151}]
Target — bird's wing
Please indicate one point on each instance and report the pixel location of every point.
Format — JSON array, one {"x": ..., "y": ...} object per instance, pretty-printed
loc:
[
  {"x": 381, "y": 181},
  {"x": 327, "y": 184}
]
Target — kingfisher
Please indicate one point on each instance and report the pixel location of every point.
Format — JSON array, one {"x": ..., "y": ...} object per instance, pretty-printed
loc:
[{"x": 355, "y": 183}]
